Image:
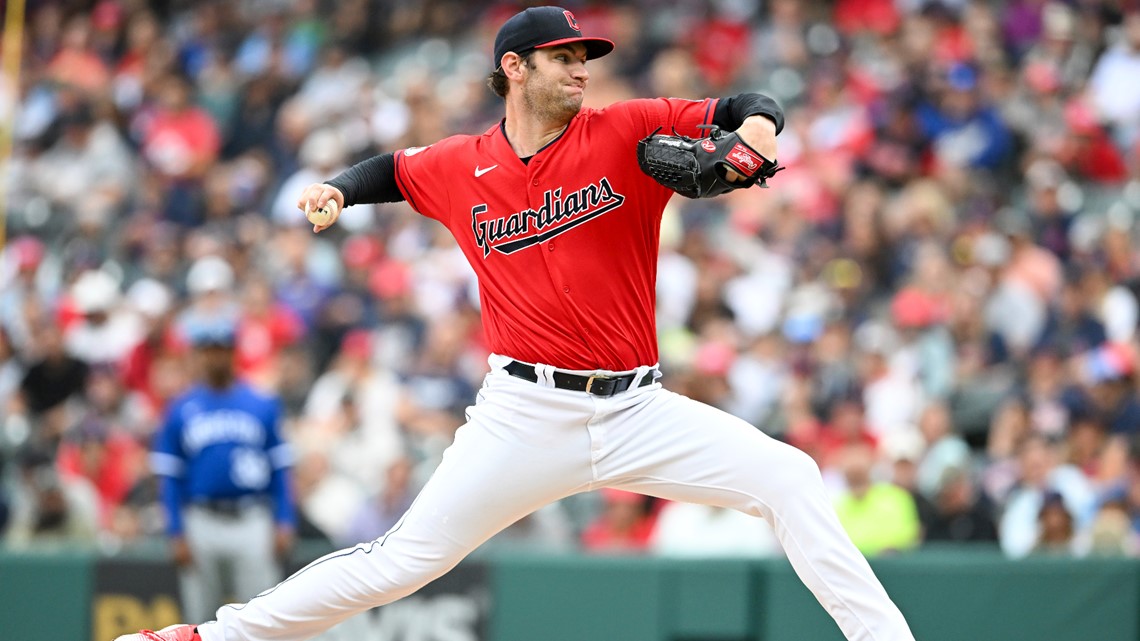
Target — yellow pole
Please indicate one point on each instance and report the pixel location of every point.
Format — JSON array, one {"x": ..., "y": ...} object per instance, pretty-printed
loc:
[{"x": 12, "y": 50}]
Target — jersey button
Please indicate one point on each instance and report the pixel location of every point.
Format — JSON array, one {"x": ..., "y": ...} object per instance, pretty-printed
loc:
[
  {"x": 566, "y": 290},
  {"x": 550, "y": 246},
  {"x": 534, "y": 182}
]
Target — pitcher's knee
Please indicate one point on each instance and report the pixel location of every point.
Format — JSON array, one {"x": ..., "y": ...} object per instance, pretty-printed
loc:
[{"x": 798, "y": 473}]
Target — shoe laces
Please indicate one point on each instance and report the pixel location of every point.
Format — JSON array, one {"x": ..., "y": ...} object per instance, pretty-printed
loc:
[{"x": 151, "y": 634}]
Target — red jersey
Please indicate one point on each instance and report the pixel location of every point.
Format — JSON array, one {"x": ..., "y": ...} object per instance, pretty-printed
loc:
[{"x": 565, "y": 246}]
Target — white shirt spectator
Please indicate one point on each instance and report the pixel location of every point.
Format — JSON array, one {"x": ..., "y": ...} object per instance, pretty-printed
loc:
[
  {"x": 1113, "y": 87},
  {"x": 1018, "y": 530},
  {"x": 89, "y": 174},
  {"x": 892, "y": 403},
  {"x": 757, "y": 298},
  {"x": 364, "y": 453},
  {"x": 676, "y": 289},
  {"x": 691, "y": 530},
  {"x": 108, "y": 332}
]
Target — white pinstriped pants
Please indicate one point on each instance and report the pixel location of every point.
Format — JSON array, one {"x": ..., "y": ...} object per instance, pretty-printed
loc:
[{"x": 528, "y": 444}]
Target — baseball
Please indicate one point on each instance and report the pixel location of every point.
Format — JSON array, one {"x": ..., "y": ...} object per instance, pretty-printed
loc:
[{"x": 323, "y": 216}]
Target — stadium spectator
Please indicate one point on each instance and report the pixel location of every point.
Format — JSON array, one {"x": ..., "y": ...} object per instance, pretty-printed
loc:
[
  {"x": 945, "y": 450},
  {"x": 962, "y": 127},
  {"x": 959, "y": 512},
  {"x": 352, "y": 410},
  {"x": 154, "y": 303},
  {"x": 49, "y": 510},
  {"x": 625, "y": 524},
  {"x": 265, "y": 328},
  {"x": 23, "y": 296},
  {"x": 879, "y": 517},
  {"x": 380, "y": 513},
  {"x": 86, "y": 175},
  {"x": 1056, "y": 531},
  {"x": 180, "y": 141},
  {"x": 1043, "y": 477},
  {"x": 105, "y": 330},
  {"x": 1118, "y": 100},
  {"x": 52, "y": 379},
  {"x": 11, "y": 374},
  {"x": 1111, "y": 533},
  {"x": 107, "y": 458},
  {"x": 701, "y": 531}
]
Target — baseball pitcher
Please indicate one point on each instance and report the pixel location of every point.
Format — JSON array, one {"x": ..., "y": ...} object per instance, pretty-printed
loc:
[{"x": 558, "y": 210}]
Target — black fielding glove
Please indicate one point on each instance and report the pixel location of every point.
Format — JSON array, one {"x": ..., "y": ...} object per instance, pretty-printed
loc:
[{"x": 697, "y": 167}]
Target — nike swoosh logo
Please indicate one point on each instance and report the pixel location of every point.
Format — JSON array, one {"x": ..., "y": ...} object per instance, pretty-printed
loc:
[{"x": 480, "y": 172}]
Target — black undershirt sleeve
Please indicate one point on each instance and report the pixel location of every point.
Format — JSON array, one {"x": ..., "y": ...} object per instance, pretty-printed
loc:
[
  {"x": 731, "y": 112},
  {"x": 369, "y": 181}
]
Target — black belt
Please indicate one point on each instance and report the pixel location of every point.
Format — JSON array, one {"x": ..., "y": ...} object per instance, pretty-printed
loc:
[
  {"x": 230, "y": 507},
  {"x": 598, "y": 385}
]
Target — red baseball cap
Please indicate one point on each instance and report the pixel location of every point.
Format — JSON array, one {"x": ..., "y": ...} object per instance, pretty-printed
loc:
[{"x": 541, "y": 27}]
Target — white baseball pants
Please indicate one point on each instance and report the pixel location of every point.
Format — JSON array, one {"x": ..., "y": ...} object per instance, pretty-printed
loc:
[{"x": 528, "y": 444}]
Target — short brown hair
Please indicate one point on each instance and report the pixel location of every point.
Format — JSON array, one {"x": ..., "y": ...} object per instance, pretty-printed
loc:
[{"x": 497, "y": 80}]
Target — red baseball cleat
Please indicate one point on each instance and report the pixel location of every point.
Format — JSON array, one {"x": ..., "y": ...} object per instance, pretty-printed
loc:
[{"x": 179, "y": 632}]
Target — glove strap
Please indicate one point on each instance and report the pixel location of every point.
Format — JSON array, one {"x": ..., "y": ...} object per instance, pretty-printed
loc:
[{"x": 748, "y": 162}]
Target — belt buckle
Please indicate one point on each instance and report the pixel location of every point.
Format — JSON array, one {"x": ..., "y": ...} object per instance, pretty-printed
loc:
[{"x": 590, "y": 381}]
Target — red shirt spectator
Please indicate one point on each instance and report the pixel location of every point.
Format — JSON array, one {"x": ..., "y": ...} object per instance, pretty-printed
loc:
[
  {"x": 625, "y": 524},
  {"x": 847, "y": 427},
  {"x": 264, "y": 329},
  {"x": 138, "y": 367},
  {"x": 721, "y": 48},
  {"x": 75, "y": 64},
  {"x": 109, "y": 460},
  {"x": 180, "y": 140},
  {"x": 1088, "y": 152}
]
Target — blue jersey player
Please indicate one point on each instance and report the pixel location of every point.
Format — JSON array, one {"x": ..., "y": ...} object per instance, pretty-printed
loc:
[{"x": 225, "y": 479}]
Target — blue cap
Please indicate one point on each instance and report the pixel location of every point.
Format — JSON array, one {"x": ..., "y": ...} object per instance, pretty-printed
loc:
[
  {"x": 212, "y": 332},
  {"x": 803, "y": 328},
  {"x": 962, "y": 77}
]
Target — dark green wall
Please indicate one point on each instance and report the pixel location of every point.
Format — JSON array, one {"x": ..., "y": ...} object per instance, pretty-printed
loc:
[
  {"x": 957, "y": 597},
  {"x": 947, "y": 596},
  {"x": 45, "y": 596}
]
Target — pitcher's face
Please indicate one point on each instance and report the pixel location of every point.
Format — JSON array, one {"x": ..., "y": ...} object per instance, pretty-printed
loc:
[{"x": 556, "y": 82}]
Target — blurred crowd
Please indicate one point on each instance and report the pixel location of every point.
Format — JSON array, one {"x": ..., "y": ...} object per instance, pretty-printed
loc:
[{"x": 937, "y": 300}]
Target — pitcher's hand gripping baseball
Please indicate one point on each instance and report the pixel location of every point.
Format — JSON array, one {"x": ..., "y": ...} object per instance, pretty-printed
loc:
[
  {"x": 322, "y": 205},
  {"x": 703, "y": 167}
]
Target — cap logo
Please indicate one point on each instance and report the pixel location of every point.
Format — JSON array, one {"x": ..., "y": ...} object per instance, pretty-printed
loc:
[{"x": 571, "y": 20}]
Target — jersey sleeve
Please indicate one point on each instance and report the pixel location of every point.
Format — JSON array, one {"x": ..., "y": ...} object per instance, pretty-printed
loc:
[
  {"x": 421, "y": 175},
  {"x": 280, "y": 459},
  {"x": 669, "y": 114},
  {"x": 167, "y": 457},
  {"x": 168, "y": 460},
  {"x": 279, "y": 451}
]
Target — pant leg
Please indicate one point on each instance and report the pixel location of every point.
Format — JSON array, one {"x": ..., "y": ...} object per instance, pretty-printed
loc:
[
  {"x": 201, "y": 583},
  {"x": 517, "y": 453},
  {"x": 195, "y": 591},
  {"x": 667, "y": 445},
  {"x": 251, "y": 554}
]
